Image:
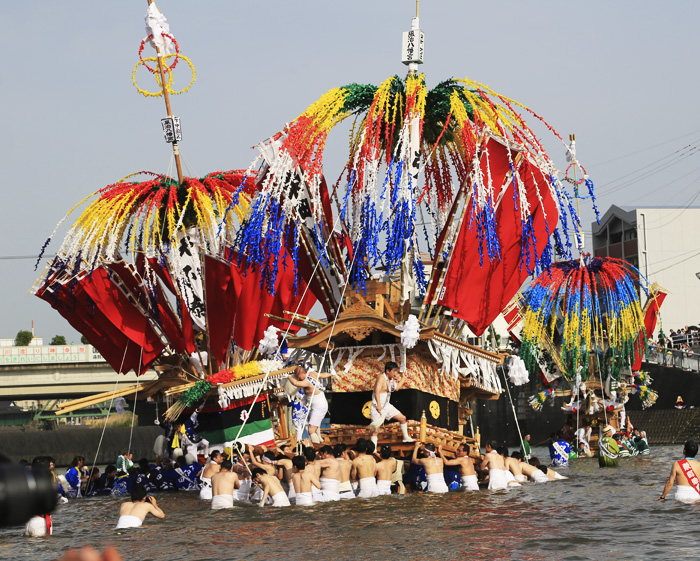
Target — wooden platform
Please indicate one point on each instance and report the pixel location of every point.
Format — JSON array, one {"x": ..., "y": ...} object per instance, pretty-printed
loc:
[{"x": 391, "y": 434}]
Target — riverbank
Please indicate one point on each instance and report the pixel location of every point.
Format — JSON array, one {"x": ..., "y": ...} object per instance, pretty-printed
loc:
[{"x": 67, "y": 442}]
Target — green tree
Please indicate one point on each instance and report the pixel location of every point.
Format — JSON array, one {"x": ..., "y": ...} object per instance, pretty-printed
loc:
[
  {"x": 58, "y": 340},
  {"x": 84, "y": 340},
  {"x": 23, "y": 338}
]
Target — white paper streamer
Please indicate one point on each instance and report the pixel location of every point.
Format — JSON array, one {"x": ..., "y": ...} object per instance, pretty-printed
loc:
[{"x": 156, "y": 25}]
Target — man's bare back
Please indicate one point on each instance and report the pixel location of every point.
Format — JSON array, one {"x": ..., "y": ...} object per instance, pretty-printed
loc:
[
  {"x": 224, "y": 482},
  {"x": 141, "y": 509},
  {"x": 528, "y": 469},
  {"x": 329, "y": 466},
  {"x": 363, "y": 467},
  {"x": 681, "y": 479},
  {"x": 303, "y": 480},
  {"x": 493, "y": 460},
  {"x": 385, "y": 469},
  {"x": 345, "y": 469},
  {"x": 514, "y": 466}
]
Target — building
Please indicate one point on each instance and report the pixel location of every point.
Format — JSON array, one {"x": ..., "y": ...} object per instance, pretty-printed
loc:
[{"x": 664, "y": 244}]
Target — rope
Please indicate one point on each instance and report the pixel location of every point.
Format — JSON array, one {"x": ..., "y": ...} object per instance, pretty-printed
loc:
[
  {"x": 323, "y": 358},
  {"x": 515, "y": 415},
  {"x": 279, "y": 346},
  {"x": 133, "y": 412},
  {"x": 109, "y": 409}
]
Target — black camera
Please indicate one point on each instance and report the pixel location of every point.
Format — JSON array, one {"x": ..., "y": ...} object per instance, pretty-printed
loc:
[{"x": 24, "y": 492}]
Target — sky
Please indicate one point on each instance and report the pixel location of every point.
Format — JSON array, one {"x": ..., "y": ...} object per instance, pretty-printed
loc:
[{"x": 620, "y": 75}]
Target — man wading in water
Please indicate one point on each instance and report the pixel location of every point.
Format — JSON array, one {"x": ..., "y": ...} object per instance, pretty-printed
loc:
[{"x": 684, "y": 474}]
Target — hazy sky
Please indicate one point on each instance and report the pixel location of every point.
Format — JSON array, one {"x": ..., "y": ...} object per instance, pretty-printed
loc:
[{"x": 622, "y": 75}]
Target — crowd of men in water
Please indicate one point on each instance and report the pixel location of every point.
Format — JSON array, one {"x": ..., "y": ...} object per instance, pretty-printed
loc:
[{"x": 279, "y": 477}]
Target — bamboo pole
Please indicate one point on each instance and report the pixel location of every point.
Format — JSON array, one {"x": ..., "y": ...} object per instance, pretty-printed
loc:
[{"x": 166, "y": 96}]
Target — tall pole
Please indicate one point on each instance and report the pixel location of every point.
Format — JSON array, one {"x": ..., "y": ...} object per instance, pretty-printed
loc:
[{"x": 166, "y": 96}]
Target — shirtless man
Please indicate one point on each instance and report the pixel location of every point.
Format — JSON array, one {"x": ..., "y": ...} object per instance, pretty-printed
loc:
[
  {"x": 266, "y": 462},
  {"x": 310, "y": 383},
  {"x": 532, "y": 471},
  {"x": 548, "y": 472},
  {"x": 494, "y": 463},
  {"x": 466, "y": 466},
  {"x": 271, "y": 486},
  {"x": 434, "y": 468},
  {"x": 382, "y": 409},
  {"x": 304, "y": 479},
  {"x": 514, "y": 465},
  {"x": 510, "y": 477},
  {"x": 385, "y": 470},
  {"x": 132, "y": 514},
  {"x": 285, "y": 471},
  {"x": 330, "y": 474},
  {"x": 684, "y": 474},
  {"x": 312, "y": 465},
  {"x": 345, "y": 488},
  {"x": 223, "y": 484},
  {"x": 363, "y": 470},
  {"x": 212, "y": 467}
]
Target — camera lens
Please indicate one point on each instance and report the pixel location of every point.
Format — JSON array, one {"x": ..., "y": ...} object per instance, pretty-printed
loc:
[{"x": 25, "y": 493}]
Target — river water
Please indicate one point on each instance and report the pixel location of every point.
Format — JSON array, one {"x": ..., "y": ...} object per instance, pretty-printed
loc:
[{"x": 596, "y": 514}]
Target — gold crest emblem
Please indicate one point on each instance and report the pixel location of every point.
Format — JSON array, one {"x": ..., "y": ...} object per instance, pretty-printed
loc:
[
  {"x": 366, "y": 408},
  {"x": 434, "y": 408}
]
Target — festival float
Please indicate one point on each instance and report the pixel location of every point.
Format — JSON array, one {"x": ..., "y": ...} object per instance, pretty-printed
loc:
[
  {"x": 584, "y": 332},
  {"x": 447, "y": 203}
]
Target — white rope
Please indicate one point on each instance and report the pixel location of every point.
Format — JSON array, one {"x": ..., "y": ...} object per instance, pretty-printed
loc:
[
  {"x": 267, "y": 374},
  {"x": 323, "y": 358},
  {"x": 515, "y": 415},
  {"x": 133, "y": 412},
  {"x": 99, "y": 444}
]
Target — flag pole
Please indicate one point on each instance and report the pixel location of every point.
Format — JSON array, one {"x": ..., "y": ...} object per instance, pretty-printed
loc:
[{"x": 166, "y": 96}]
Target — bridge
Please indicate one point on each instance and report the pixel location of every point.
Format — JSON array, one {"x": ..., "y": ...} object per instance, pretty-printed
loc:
[{"x": 59, "y": 372}]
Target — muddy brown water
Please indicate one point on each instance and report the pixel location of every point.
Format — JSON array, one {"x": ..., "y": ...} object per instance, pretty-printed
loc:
[{"x": 595, "y": 514}]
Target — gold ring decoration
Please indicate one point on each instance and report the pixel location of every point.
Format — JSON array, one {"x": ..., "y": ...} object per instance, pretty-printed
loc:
[
  {"x": 434, "y": 408},
  {"x": 167, "y": 70}
]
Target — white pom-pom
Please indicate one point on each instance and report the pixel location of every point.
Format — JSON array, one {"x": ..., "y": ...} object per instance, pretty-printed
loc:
[
  {"x": 410, "y": 332},
  {"x": 269, "y": 344},
  {"x": 517, "y": 372}
]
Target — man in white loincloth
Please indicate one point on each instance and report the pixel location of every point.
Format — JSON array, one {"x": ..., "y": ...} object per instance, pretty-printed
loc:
[
  {"x": 515, "y": 466},
  {"x": 496, "y": 466},
  {"x": 684, "y": 474},
  {"x": 213, "y": 466},
  {"x": 433, "y": 466},
  {"x": 313, "y": 398},
  {"x": 223, "y": 483},
  {"x": 531, "y": 469},
  {"x": 345, "y": 488},
  {"x": 330, "y": 474},
  {"x": 363, "y": 470},
  {"x": 271, "y": 487},
  {"x": 385, "y": 470},
  {"x": 132, "y": 514},
  {"x": 466, "y": 466},
  {"x": 382, "y": 409},
  {"x": 304, "y": 479}
]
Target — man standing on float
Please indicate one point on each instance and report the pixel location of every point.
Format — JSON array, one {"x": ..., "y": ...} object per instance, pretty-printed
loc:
[
  {"x": 314, "y": 399},
  {"x": 382, "y": 409}
]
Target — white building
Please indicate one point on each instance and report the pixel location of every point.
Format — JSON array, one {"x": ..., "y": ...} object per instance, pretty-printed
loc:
[{"x": 664, "y": 244}]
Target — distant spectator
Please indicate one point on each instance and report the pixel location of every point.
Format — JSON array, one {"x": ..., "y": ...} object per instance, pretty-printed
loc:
[{"x": 679, "y": 403}]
